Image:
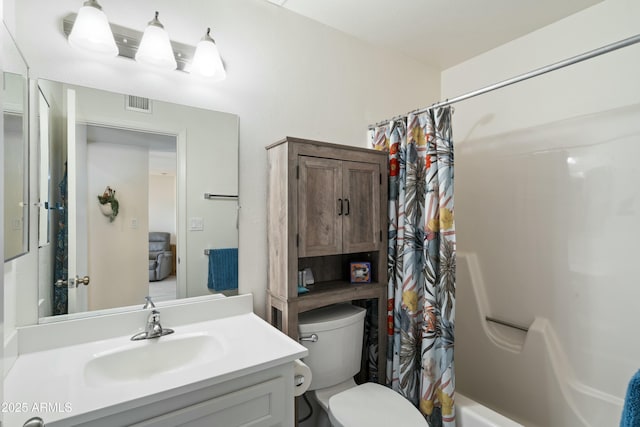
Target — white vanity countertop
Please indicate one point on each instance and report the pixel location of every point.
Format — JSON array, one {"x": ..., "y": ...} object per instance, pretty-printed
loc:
[{"x": 245, "y": 344}]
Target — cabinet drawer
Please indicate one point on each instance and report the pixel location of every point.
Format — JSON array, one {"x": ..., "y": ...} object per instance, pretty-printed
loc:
[{"x": 260, "y": 405}]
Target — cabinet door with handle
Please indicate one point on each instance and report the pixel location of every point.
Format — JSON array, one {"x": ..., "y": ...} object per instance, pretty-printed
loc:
[
  {"x": 361, "y": 210},
  {"x": 320, "y": 206}
]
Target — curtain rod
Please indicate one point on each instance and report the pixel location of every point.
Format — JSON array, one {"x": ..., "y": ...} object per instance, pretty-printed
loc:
[{"x": 537, "y": 72}]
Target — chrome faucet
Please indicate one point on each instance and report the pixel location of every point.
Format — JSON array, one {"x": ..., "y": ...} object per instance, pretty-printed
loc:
[
  {"x": 148, "y": 303},
  {"x": 153, "y": 329}
]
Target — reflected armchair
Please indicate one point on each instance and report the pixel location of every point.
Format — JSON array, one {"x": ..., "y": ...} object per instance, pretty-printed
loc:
[{"x": 160, "y": 256}]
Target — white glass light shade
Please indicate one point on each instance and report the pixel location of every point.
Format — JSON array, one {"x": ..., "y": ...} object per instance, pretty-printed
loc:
[
  {"x": 91, "y": 32},
  {"x": 155, "y": 49},
  {"x": 207, "y": 62}
]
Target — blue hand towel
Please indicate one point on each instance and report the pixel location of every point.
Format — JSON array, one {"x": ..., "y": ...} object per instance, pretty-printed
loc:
[
  {"x": 223, "y": 269},
  {"x": 631, "y": 410}
]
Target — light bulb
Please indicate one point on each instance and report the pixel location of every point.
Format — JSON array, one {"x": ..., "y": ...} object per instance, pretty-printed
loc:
[
  {"x": 206, "y": 60},
  {"x": 91, "y": 31},
  {"x": 155, "y": 47}
]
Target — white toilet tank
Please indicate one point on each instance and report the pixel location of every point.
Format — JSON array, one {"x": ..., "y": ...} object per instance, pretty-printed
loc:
[{"x": 335, "y": 357}]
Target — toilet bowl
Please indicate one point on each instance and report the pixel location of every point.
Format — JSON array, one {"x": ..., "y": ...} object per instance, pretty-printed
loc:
[{"x": 334, "y": 358}]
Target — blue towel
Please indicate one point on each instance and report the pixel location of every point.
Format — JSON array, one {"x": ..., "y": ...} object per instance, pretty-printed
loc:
[
  {"x": 631, "y": 410},
  {"x": 223, "y": 269}
]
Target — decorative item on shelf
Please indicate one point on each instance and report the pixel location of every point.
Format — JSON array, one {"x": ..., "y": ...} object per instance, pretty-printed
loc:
[
  {"x": 360, "y": 272},
  {"x": 302, "y": 286},
  {"x": 109, "y": 204}
]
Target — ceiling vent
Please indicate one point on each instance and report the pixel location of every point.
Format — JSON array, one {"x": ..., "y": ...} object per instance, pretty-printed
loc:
[{"x": 138, "y": 103}]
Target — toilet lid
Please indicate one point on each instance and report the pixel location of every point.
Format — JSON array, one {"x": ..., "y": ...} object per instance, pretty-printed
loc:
[{"x": 373, "y": 405}]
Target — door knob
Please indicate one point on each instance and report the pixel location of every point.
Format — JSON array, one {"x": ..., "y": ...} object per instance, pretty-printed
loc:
[{"x": 82, "y": 280}]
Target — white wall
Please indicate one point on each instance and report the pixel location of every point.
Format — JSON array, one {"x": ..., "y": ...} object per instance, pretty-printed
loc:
[
  {"x": 118, "y": 250},
  {"x": 162, "y": 204},
  {"x": 286, "y": 75},
  {"x": 546, "y": 201},
  {"x": 2, "y": 278}
]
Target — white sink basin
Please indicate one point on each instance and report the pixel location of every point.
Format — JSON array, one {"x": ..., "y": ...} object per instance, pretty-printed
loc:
[{"x": 140, "y": 360}]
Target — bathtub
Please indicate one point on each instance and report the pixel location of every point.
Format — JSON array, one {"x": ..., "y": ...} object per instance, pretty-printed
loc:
[{"x": 472, "y": 414}]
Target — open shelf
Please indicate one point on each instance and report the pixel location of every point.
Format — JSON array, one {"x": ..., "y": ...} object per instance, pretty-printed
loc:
[{"x": 326, "y": 293}]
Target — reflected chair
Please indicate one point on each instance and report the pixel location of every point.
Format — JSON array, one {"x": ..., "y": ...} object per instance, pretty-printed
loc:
[{"x": 160, "y": 255}]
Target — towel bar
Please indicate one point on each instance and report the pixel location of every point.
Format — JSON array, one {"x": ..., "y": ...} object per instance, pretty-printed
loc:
[
  {"x": 508, "y": 324},
  {"x": 210, "y": 196}
]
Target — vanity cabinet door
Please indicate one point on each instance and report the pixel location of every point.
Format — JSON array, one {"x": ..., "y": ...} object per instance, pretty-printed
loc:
[
  {"x": 319, "y": 206},
  {"x": 260, "y": 405}
]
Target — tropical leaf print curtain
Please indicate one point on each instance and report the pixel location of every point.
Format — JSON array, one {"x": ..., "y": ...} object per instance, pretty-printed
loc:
[
  {"x": 60, "y": 293},
  {"x": 422, "y": 254}
]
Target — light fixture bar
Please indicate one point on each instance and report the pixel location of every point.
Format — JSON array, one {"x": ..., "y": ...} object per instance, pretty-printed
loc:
[{"x": 128, "y": 41}]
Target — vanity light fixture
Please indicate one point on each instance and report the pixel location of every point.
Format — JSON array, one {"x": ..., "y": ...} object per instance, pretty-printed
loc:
[
  {"x": 155, "y": 47},
  {"x": 91, "y": 31},
  {"x": 206, "y": 60}
]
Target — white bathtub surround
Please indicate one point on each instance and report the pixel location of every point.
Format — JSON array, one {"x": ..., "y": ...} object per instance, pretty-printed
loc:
[
  {"x": 470, "y": 413},
  {"x": 107, "y": 376},
  {"x": 547, "y": 199},
  {"x": 508, "y": 370}
]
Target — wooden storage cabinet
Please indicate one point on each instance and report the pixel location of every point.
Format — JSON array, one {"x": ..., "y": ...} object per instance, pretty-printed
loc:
[
  {"x": 326, "y": 208},
  {"x": 339, "y": 206}
]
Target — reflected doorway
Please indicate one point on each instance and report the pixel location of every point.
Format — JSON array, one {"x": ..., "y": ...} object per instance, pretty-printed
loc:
[
  {"x": 140, "y": 167},
  {"x": 162, "y": 222}
]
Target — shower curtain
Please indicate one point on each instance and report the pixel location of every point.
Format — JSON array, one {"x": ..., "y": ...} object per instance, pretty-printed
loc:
[
  {"x": 60, "y": 294},
  {"x": 421, "y": 261}
]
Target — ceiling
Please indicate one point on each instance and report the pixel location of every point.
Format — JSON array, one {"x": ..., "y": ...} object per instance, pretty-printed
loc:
[
  {"x": 441, "y": 33},
  {"x": 162, "y": 148}
]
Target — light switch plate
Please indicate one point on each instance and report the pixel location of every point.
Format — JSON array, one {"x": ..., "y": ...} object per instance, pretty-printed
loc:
[{"x": 196, "y": 224}]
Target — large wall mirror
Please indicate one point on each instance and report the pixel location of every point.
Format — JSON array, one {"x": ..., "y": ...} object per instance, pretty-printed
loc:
[
  {"x": 142, "y": 200},
  {"x": 16, "y": 149}
]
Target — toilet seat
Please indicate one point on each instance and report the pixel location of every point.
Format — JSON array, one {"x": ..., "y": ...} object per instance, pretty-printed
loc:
[
  {"x": 323, "y": 395},
  {"x": 373, "y": 405}
]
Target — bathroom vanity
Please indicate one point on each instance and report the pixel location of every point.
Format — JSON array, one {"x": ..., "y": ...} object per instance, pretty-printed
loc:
[{"x": 223, "y": 365}]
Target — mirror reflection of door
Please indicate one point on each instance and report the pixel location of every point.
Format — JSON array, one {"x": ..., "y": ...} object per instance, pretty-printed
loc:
[
  {"x": 114, "y": 249},
  {"x": 125, "y": 260}
]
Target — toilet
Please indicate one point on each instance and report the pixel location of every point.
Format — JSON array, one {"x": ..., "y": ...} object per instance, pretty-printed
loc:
[{"x": 334, "y": 358}]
